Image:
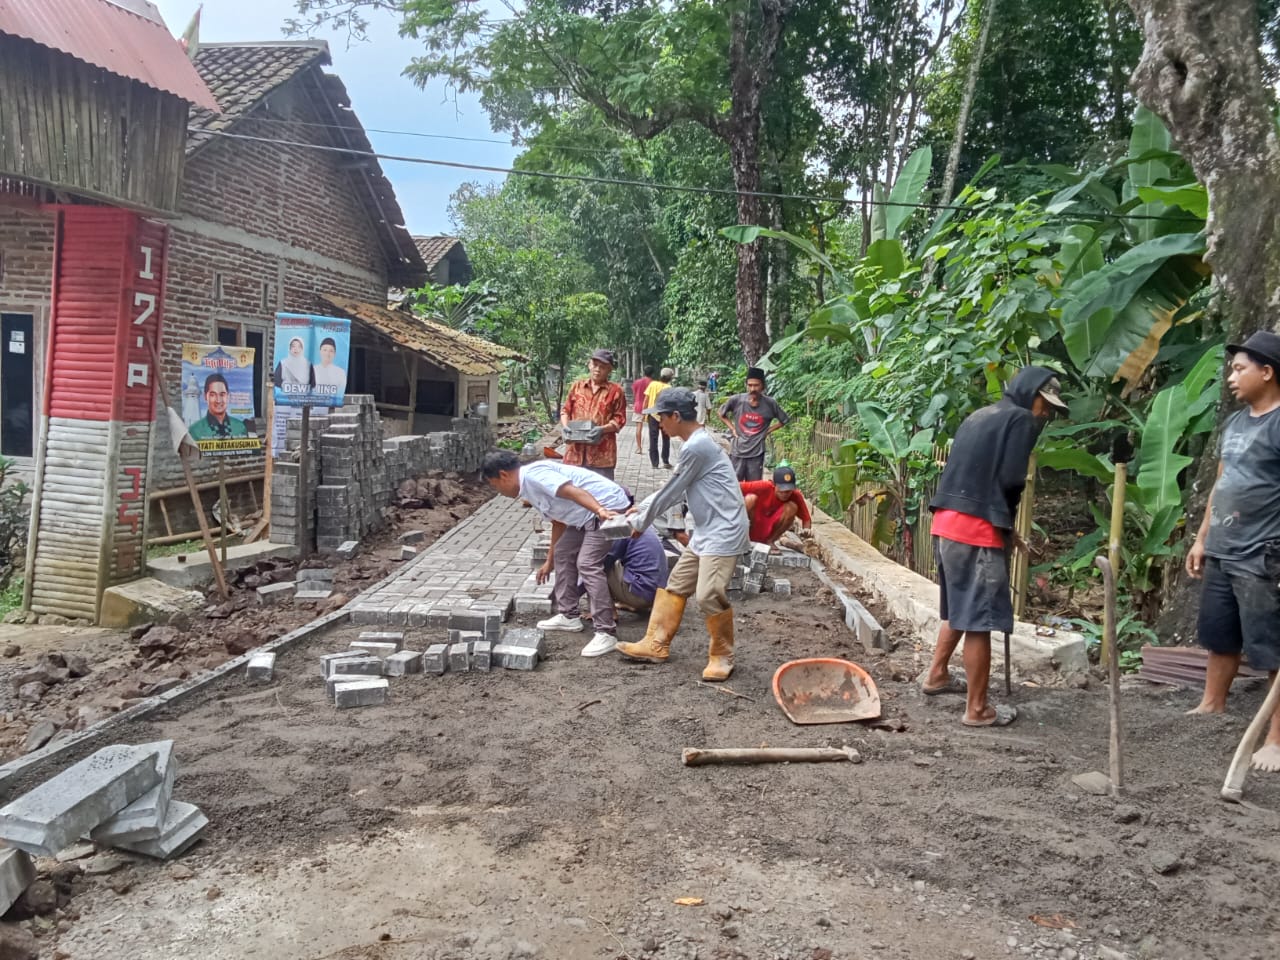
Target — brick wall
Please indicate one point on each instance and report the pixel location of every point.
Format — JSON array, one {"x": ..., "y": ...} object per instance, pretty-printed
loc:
[{"x": 261, "y": 214}]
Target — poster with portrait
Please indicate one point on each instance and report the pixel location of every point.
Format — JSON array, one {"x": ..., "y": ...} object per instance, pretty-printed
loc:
[
  {"x": 217, "y": 399},
  {"x": 309, "y": 368}
]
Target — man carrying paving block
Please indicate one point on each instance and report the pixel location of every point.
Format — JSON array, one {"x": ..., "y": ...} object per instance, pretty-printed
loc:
[
  {"x": 575, "y": 500},
  {"x": 704, "y": 476}
]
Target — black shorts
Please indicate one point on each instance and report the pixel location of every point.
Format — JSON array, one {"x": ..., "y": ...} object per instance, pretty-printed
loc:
[
  {"x": 974, "y": 585},
  {"x": 748, "y": 468},
  {"x": 1240, "y": 611}
]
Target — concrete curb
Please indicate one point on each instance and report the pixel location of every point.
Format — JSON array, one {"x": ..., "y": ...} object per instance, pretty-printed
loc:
[
  {"x": 914, "y": 599},
  {"x": 14, "y": 769},
  {"x": 856, "y": 617}
]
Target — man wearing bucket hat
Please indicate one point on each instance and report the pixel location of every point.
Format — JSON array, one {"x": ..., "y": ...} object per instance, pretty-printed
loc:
[
  {"x": 605, "y": 405},
  {"x": 1237, "y": 549},
  {"x": 775, "y": 507},
  {"x": 751, "y": 417},
  {"x": 973, "y": 538},
  {"x": 704, "y": 477}
]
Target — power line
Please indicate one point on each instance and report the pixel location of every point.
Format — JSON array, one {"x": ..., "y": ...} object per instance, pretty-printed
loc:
[{"x": 652, "y": 185}]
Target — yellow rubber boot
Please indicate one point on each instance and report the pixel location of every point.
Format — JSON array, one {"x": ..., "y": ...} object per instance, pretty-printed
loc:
[
  {"x": 664, "y": 621},
  {"x": 720, "y": 658}
]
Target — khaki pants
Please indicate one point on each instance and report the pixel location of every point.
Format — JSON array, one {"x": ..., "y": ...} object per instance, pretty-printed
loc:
[
  {"x": 622, "y": 594},
  {"x": 707, "y": 578}
]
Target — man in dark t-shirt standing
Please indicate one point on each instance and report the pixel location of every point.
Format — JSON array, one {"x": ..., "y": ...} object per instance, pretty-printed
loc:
[
  {"x": 1237, "y": 549},
  {"x": 751, "y": 417}
]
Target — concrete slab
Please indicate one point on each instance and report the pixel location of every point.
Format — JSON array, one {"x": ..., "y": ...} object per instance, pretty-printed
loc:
[
  {"x": 361, "y": 693},
  {"x": 144, "y": 818},
  {"x": 193, "y": 570},
  {"x": 147, "y": 601},
  {"x": 182, "y": 827},
  {"x": 312, "y": 595},
  {"x": 17, "y": 872},
  {"x": 71, "y": 804},
  {"x": 272, "y": 593}
]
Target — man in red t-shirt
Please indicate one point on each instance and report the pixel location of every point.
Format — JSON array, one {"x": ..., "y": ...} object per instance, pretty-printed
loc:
[
  {"x": 638, "y": 388},
  {"x": 774, "y": 507}
]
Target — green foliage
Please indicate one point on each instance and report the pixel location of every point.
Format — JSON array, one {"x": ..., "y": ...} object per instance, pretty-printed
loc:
[{"x": 15, "y": 519}]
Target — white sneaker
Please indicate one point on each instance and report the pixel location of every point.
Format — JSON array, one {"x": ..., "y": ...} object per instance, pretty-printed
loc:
[
  {"x": 562, "y": 623},
  {"x": 600, "y": 644}
]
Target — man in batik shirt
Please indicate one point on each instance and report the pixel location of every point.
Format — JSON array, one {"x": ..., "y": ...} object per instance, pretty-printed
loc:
[{"x": 605, "y": 405}]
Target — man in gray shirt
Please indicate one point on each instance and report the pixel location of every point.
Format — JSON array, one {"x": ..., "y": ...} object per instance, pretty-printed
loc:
[
  {"x": 751, "y": 417},
  {"x": 705, "y": 478},
  {"x": 1237, "y": 549}
]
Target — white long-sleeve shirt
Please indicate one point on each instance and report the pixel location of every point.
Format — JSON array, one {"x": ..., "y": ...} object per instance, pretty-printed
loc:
[{"x": 704, "y": 476}]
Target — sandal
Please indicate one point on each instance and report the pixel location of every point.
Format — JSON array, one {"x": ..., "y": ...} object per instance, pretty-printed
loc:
[
  {"x": 954, "y": 684},
  {"x": 1004, "y": 716}
]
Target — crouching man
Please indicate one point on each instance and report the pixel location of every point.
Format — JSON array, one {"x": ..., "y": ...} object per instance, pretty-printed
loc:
[
  {"x": 705, "y": 478},
  {"x": 636, "y": 569},
  {"x": 575, "y": 500},
  {"x": 775, "y": 507}
]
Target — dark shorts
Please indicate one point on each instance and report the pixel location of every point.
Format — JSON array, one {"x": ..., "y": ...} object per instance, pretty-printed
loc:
[
  {"x": 974, "y": 585},
  {"x": 748, "y": 468},
  {"x": 1240, "y": 611}
]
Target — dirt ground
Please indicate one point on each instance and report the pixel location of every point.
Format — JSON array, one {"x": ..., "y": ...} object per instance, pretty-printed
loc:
[
  {"x": 547, "y": 814},
  {"x": 124, "y": 667}
]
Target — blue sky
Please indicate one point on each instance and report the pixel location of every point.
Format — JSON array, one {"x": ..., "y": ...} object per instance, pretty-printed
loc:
[{"x": 381, "y": 97}]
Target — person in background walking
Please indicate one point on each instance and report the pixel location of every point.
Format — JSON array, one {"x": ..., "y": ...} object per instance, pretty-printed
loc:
[
  {"x": 705, "y": 478},
  {"x": 713, "y": 382},
  {"x": 665, "y": 375},
  {"x": 575, "y": 500},
  {"x": 973, "y": 535},
  {"x": 702, "y": 400},
  {"x": 603, "y": 403},
  {"x": 751, "y": 417},
  {"x": 638, "y": 388},
  {"x": 1237, "y": 549}
]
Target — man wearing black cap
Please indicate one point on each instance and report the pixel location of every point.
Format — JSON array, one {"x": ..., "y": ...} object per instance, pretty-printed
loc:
[
  {"x": 704, "y": 477},
  {"x": 751, "y": 417},
  {"x": 973, "y": 538},
  {"x": 774, "y": 507},
  {"x": 1237, "y": 549},
  {"x": 605, "y": 405}
]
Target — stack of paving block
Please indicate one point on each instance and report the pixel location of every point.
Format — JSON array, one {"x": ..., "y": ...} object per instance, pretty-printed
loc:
[
  {"x": 752, "y": 574},
  {"x": 518, "y": 648},
  {"x": 121, "y": 796},
  {"x": 755, "y": 579},
  {"x": 534, "y": 597},
  {"x": 356, "y": 677},
  {"x": 287, "y": 523}
]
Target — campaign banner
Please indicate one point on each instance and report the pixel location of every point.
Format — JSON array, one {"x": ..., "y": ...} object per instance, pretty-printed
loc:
[
  {"x": 309, "y": 368},
  {"x": 217, "y": 398}
]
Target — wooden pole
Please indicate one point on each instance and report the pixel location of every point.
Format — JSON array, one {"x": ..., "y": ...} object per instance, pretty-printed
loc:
[
  {"x": 184, "y": 457},
  {"x": 1116, "y": 746},
  {"x": 1114, "y": 542},
  {"x": 1021, "y": 561},
  {"x": 694, "y": 757},
  {"x": 269, "y": 432},
  {"x": 304, "y": 501},
  {"x": 222, "y": 510}
]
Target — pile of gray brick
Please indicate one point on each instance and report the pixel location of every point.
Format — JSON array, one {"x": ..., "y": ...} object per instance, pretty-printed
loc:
[
  {"x": 355, "y": 470},
  {"x": 752, "y": 575},
  {"x": 121, "y": 797}
]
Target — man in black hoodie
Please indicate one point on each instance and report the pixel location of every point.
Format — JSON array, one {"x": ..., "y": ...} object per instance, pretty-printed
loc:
[{"x": 973, "y": 516}]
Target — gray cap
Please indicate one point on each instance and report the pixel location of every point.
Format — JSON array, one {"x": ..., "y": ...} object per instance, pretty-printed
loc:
[{"x": 674, "y": 400}]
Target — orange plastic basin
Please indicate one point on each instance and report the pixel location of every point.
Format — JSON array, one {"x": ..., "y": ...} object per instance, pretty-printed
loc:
[{"x": 825, "y": 690}]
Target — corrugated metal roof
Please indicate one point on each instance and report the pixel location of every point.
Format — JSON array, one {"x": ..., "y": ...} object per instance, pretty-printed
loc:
[
  {"x": 103, "y": 33},
  {"x": 443, "y": 346}
]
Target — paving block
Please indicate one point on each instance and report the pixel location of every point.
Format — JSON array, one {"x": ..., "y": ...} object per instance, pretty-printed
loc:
[
  {"x": 361, "y": 693},
  {"x": 374, "y": 649},
  {"x": 467, "y": 620},
  {"x": 481, "y": 655},
  {"x": 143, "y": 819},
  {"x": 459, "y": 657},
  {"x": 752, "y": 587},
  {"x": 533, "y": 605},
  {"x": 492, "y": 622},
  {"x": 356, "y": 667},
  {"x": 274, "y": 593},
  {"x": 329, "y": 659},
  {"x": 759, "y": 556},
  {"x": 413, "y": 536},
  {"x": 782, "y": 587},
  {"x": 348, "y": 549},
  {"x": 69, "y": 805},
  {"x": 312, "y": 595},
  {"x": 408, "y": 553},
  {"x": 315, "y": 575},
  {"x": 465, "y": 636},
  {"x": 515, "y": 658},
  {"x": 530, "y": 638},
  {"x": 401, "y": 663},
  {"x": 383, "y": 636},
  {"x": 261, "y": 668},
  {"x": 435, "y": 659},
  {"x": 17, "y": 872},
  {"x": 182, "y": 828},
  {"x": 617, "y": 528}
]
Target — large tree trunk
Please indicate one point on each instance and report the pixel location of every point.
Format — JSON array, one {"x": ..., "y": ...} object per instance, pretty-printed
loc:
[
  {"x": 1201, "y": 71},
  {"x": 966, "y": 102}
]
